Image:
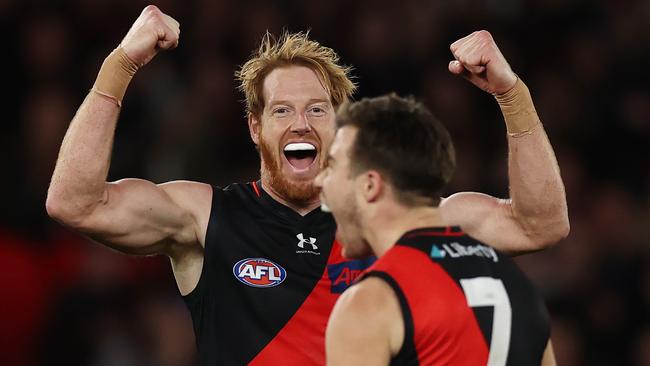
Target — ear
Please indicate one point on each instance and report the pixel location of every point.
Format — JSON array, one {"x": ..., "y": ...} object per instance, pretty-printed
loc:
[
  {"x": 372, "y": 185},
  {"x": 254, "y": 128}
]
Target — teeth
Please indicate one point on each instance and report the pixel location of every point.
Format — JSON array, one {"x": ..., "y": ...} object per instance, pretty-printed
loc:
[{"x": 298, "y": 146}]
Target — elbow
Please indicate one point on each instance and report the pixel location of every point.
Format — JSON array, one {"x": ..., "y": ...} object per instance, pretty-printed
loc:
[
  {"x": 550, "y": 233},
  {"x": 57, "y": 209},
  {"x": 54, "y": 206},
  {"x": 561, "y": 226},
  {"x": 544, "y": 228},
  {"x": 558, "y": 232},
  {"x": 564, "y": 228},
  {"x": 65, "y": 211}
]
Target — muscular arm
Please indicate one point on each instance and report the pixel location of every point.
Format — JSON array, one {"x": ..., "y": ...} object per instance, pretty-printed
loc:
[
  {"x": 536, "y": 214},
  {"x": 131, "y": 215},
  {"x": 366, "y": 326}
]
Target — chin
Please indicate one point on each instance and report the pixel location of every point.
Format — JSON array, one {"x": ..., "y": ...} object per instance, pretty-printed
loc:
[
  {"x": 301, "y": 190},
  {"x": 353, "y": 248},
  {"x": 356, "y": 253}
]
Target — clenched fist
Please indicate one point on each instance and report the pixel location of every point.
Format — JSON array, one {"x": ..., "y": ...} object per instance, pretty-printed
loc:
[
  {"x": 478, "y": 59},
  {"x": 152, "y": 31}
]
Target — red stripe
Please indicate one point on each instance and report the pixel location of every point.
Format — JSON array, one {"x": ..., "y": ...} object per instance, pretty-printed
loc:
[
  {"x": 446, "y": 329},
  {"x": 257, "y": 190},
  {"x": 302, "y": 340},
  {"x": 448, "y": 232}
]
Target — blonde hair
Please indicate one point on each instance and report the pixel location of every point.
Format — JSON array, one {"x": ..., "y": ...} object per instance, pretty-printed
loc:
[{"x": 293, "y": 49}]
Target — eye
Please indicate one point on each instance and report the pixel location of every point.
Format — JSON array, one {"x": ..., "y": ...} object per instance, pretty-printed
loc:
[
  {"x": 317, "y": 111},
  {"x": 280, "y": 111}
]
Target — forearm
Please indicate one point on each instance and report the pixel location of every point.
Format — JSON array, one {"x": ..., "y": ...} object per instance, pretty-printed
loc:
[
  {"x": 536, "y": 187},
  {"x": 79, "y": 178}
]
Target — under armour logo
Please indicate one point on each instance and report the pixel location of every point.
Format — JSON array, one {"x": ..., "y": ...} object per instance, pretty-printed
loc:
[{"x": 304, "y": 241}]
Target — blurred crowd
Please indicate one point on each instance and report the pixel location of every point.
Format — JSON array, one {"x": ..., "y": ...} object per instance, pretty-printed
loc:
[{"x": 66, "y": 300}]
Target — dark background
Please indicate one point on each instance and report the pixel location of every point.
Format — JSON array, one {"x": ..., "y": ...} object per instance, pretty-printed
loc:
[{"x": 68, "y": 301}]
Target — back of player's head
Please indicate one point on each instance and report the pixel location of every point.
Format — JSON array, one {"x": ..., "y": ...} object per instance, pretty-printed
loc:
[
  {"x": 293, "y": 49},
  {"x": 401, "y": 139}
]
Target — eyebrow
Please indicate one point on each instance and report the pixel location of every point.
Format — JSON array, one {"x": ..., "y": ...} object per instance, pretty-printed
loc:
[
  {"x": 317, "y": 100},
  {"x": 310, "y": 101},
  {"x": 277, "y": 102}
]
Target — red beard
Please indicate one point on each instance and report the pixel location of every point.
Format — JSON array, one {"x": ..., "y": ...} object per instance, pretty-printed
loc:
[{"x": 300, "y": 193}]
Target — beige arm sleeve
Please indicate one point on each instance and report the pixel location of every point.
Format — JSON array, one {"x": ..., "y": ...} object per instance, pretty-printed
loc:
[
  {"x": 114, "y": 76},
  {"x": 518, "y": 110}
]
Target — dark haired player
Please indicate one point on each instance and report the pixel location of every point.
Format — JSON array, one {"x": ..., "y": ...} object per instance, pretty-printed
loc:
[{"x": 435, "y": 295}]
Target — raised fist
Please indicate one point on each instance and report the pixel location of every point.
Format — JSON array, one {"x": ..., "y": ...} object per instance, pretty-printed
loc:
[
  {"x": 478, "y": 59},
  {"x": 152, "y": 31}
]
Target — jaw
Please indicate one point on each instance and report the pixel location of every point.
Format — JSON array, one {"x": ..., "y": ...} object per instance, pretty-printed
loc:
[
  {"x": 352, "y": 245},
  {"x": 292, "y": 184},
  {"x": 293, "y": 187}
]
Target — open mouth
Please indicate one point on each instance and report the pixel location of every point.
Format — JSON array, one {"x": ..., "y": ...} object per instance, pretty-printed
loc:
[{"x": 300, "y": 155}]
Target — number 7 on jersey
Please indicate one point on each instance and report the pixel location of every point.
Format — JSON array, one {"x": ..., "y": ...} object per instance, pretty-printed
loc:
[{"x": 488, "y": 291}]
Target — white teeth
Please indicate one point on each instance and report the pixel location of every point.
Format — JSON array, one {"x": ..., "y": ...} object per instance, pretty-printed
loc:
[{"x": 298, "y": 146}]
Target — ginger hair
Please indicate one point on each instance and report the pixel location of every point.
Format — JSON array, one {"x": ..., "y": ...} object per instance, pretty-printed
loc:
[{"x": 293, "y": 49}]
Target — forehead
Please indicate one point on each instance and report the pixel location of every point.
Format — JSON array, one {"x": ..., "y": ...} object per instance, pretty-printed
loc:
[
  {"x": 293, "y": 84},
  {"x": 343, "y": 142}
]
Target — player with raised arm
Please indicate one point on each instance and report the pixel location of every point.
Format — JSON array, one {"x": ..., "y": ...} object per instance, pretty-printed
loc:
[{"x": 257, "y": 263}]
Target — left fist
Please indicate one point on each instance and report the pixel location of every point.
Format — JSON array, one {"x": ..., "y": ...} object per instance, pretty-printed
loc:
[{"x": 478, "y": 59}]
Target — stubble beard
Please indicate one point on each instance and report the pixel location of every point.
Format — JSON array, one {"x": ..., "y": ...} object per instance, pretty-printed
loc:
[
  {"x": 355, "y": 245},
  {"x": 300, "y": 193}
]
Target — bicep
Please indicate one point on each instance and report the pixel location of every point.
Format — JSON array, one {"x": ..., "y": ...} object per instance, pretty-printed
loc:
[
  {"x": 487, "y": 219},
  {"x": 139, "y": 217}
]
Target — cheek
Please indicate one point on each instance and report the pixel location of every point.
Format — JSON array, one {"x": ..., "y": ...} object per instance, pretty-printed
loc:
[
  {"x": 327, "y": 132},
  {"x": 269, "y": 134},
  {"x": 331, "y": 186}
]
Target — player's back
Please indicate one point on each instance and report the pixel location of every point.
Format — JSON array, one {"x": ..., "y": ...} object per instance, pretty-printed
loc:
[{"x": 462, "y": 302}]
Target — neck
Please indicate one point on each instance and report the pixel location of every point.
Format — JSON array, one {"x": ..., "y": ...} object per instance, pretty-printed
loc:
[
  {"x": 390, "y": 223},
  {"x": 302, "y": 208}
]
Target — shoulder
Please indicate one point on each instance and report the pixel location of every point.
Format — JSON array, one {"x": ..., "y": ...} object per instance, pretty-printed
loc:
[
  {"x": 370, "y": 311},
  {"x": 193, "y": 197},
  {"x": 465, "y": 207},
  {"x": 366, "y": 296},
  {"x": 186, "y": 186},
  {"x": 188, "y": 194}
]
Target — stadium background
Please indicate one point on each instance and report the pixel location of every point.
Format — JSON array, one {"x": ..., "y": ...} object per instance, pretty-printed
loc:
[{"x": 68, "y": 301}]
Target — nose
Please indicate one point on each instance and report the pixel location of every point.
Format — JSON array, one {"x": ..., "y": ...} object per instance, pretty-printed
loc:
[{"x": 301, "y": 125}]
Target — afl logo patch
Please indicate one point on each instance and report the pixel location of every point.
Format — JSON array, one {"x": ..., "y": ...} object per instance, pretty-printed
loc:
[{"x": 259, "y": 272}]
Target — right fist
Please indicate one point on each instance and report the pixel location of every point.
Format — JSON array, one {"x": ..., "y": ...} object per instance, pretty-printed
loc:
[{"x": 152, "y": 31}]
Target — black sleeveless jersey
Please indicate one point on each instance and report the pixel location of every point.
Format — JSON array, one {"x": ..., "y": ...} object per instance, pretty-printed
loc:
[
  {"x": 269, "y": 281},
  {"x": 463, "y": 303}
]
